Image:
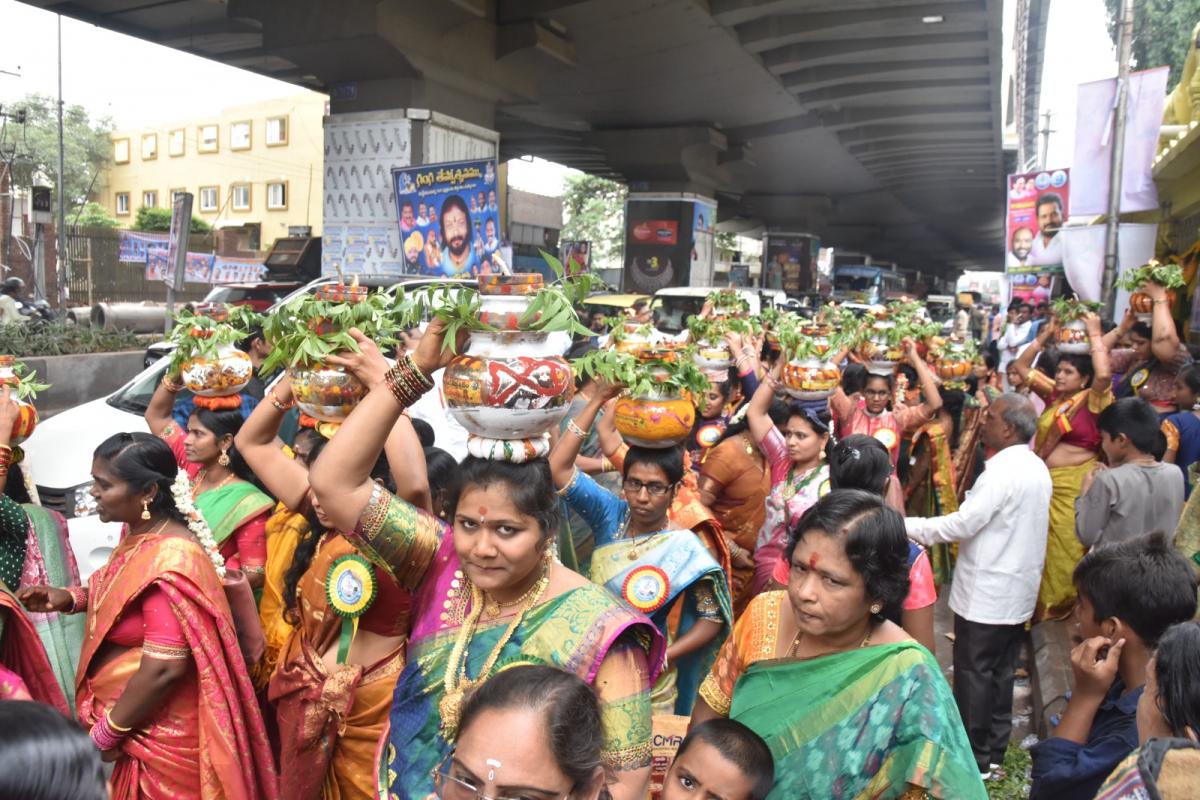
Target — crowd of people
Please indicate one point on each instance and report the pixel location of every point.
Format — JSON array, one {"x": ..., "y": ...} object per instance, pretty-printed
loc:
[{"x": 357, "y": 613}]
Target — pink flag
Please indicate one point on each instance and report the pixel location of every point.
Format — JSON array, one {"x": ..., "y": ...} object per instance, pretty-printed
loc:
[{"x": 1093, "y": 143}]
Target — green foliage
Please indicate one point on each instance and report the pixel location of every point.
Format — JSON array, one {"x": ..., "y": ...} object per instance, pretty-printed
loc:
[
  {"x": 1162, "y": 32},
  {"x": 1070, "y": 309},
  {"x": 87, "y": 146},
  {"x": 641, "y": 377},
  {"x": 1168, "y": 276},
  {"x": 1016, "y": 782},
  {"x": 159, "y": 220},
  {"x": 93, "y": 215},
  {"x": 290, "y": 329},
  {"x": 594, "y": 211},
  {"x": 64, "y": 339},
  {"x": 27, "y": 386},
  {"x": 200, "y": 336}
]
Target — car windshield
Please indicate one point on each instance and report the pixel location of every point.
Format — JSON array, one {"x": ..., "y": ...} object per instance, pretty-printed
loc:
[
  {"x": 135, "y": 396},
  {"x": 672, "y": 315}
]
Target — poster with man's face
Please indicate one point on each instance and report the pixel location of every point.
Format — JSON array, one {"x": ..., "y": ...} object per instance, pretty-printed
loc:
[
  {"x": 1037, "y": 209},
  {"x": 448, "y": 217}
]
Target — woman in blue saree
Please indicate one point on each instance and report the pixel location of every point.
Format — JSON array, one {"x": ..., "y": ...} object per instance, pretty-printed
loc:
[{"x": 645, "y": 560}]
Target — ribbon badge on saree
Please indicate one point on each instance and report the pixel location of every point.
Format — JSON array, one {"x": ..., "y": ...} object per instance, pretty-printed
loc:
[
  {"x": 646, "y": 588},
  {"x": 350, "y": 589}
]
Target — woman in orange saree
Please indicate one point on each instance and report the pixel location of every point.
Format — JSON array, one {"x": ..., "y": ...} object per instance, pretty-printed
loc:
[{"x": 161, "y": 684}]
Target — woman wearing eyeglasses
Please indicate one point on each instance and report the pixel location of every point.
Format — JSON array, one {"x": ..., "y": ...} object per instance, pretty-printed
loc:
[
  {"x": 529, "y": 733},
  {"x": 643, "y": 558},
  {"x": 868, "y": 413},
  {"x": 487, "y": 591}
]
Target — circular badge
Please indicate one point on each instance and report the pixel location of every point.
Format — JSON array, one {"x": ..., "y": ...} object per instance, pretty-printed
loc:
[
  {"x": 350, "y": 586},
  {"x": 1139, "y": 377},
  {"x": 886, "y": 437},
  {"x": 646, "y": 588},
  {"x": 710, "y": 434},
  {"x": 825, "y": 488}
]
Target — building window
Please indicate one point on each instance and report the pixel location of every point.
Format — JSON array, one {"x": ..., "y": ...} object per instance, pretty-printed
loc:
[
  {"x": 122, "y": 204},
  {"x": 277, "y": 196},
  {"x": 239, "y": 136},
  {"x": 209, "y": 138},
  {"x": 208, "y": 198},
  {"x": 175, "y": 145},
  {"x": 120, "y": 151},
  {"x": 241, "y": 196},
  {"x": 149, "y": 199},
  {"x": 149, "y": 146},
  {"x": 277, "y": 131}
]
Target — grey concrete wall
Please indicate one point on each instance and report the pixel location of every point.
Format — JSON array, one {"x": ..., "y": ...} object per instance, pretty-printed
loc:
[{"x": 78, "y": 379}]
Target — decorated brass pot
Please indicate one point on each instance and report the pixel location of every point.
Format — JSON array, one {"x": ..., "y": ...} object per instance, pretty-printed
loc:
[
  {"x": 325, "y": 392},
  {"x": 27, "y": 419},
  {"x": 810, "y": 378},
  {"x": 657, "y": 419},
  {"x": 1073, "y": 338},
  {"x": 225, "y": 375},
  {"x": 508, "y": 397}
]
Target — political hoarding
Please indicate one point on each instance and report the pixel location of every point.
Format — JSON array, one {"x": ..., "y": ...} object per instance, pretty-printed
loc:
[
  {"x": 449, "y": 219},
  {"x": 789, "y": 261},
  {"x": 1038, "y": 206}
]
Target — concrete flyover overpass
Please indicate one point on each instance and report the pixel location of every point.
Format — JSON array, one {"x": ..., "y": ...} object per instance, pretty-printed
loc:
[{"x": 874, "y": 123}]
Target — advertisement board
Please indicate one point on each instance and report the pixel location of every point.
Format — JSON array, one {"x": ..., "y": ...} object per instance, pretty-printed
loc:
[
  {"x": 668, "y": 241},
  {"x": 1038, "y": 206},
  {"x": 449, "y": 219},
  {"x": 576, "y": 257},
  {"x": 790, "y": 262}
]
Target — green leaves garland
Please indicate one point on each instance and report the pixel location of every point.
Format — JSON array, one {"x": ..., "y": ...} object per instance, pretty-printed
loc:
[
  {"x": 27, "y": 387},
  {"x": 306, "y": 330},
  {"x": 1168, "y": 276},
  {"x": 641, "y": 377},
  {"x": 198, "y": 336},
  {"x": 1070, "y": 309}
]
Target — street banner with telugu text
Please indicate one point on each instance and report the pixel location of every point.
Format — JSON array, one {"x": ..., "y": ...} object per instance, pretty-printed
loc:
[
  {"x": 133, "y": 246},
  {"x": 449, "y": 218},
  {"x": 1038, "y": 205}
]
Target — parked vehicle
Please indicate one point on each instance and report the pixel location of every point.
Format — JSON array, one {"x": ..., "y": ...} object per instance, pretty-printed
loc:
[{"x": 674, "y": 305}]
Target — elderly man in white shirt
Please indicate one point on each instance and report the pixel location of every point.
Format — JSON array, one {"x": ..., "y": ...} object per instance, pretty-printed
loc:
[{"x": 1000, "y": 529}]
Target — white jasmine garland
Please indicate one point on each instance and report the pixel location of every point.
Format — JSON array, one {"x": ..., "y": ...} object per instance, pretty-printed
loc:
[{"x": 181, "y": 490}]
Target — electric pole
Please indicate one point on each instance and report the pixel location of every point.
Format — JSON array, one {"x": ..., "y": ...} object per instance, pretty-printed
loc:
[
  {"x": 1045, "y": 133},
  {"x": 62, "y": 272},
  {"x": 1112, "y": 233}
]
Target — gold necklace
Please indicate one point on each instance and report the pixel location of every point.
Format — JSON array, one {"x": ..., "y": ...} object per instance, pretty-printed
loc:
[
  {"x": 493, "y": 607},
  {"x": 203, "y": 476},
  {"x": 800, "y": 635},
  {"x": 455, "y": 683}
]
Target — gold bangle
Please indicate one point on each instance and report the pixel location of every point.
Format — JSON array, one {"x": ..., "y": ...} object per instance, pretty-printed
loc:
[
  {"x": 113, "y": 725},
  {"x": 171, "y": 386}
]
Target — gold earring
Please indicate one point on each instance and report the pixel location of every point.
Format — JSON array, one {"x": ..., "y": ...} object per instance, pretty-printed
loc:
[
  {"x": 875, "y": 609},
  {"x": 145, "y": 508},
  {"x": 223, "y": 459}
]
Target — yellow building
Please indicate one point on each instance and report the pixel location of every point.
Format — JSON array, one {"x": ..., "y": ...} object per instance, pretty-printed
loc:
[{"x": 255, "y": 167}]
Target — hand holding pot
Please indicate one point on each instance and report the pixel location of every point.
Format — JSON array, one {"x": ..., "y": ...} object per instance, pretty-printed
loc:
[
  {"x": 431, "y": 353},
  {"x": 10, "y": 411},
  {"x": 606, "y": 391},
  {"x": 1092, "y": 323},
  {"x": 1154, "y": 291},
  {"x": 368, "y": 364}
]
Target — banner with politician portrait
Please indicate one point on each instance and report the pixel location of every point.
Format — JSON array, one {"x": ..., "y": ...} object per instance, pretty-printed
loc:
[
  {"x": 1038, "y": 205},
  {"x": 449, "y": 219}
]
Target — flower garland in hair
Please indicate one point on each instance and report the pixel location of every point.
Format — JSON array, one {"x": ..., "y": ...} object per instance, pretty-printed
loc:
[{"x": 181, "y": 490}]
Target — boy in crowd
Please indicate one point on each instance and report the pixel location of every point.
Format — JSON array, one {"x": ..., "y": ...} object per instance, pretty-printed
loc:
[
  {"x": 1137, "y": 493},
  {"x": 1129, "y": 594},
  {"x": 720, "y": 760}
]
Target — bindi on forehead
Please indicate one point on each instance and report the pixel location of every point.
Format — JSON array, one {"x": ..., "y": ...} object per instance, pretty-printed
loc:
[{"x": 813, "y": 560}]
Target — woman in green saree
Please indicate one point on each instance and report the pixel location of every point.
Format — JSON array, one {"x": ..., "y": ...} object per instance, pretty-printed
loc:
[
  {"x": 233, "y": 506},
  {"x": 487, "y": 593},
  {"x": 851, "y": 707}
]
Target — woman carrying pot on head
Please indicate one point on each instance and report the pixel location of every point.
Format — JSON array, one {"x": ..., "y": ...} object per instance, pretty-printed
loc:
[
  {"x": 35, "y": 551},
  {"x": 334, "y": 672},
  {"x": 794, "y": 447},
  {"x": 222, "y": 484},
  {"x": 487, "y": 591},
  {"x": 644, "y": 558},
  {"x": 1068, "y": 440},
  {"x": 805, "y": 666},
  {"x": 868, "y": 413},
  {"x": 1155, "y": 356},
  {"x": 162, "y": 682}
]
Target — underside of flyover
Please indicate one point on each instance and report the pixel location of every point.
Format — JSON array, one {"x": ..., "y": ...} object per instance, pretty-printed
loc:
[{"x": 873, "y": 123}]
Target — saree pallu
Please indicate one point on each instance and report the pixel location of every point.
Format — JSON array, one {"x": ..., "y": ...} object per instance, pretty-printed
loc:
[
  {"x": 1056, "y": 596},
  {"x": 868, "y": 723},
  {"x": 574, "y": 631},
  {"x": 25, "y": 670},
  {"x": 651, "y": 573},
  {"x": 329, "y": 722},
  {"x": 966, "y": 455},
  {"x": 932, "y": 491},
  {"x": 228, "y": 508},
  {"x": 207, "y": 740},
  {"x": 284, "y": 529},
  {"x": 49, "y": 561}
]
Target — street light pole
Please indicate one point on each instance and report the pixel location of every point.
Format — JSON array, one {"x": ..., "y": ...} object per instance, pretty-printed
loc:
[
  {"x": 62, "y": 272},
  {"x": 1111, "y": 239}
]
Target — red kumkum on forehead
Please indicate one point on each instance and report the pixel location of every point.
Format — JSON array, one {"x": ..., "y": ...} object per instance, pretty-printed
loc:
[
  {"x": 813, "y": 560},
  {"x": 482, "y": 512}
]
